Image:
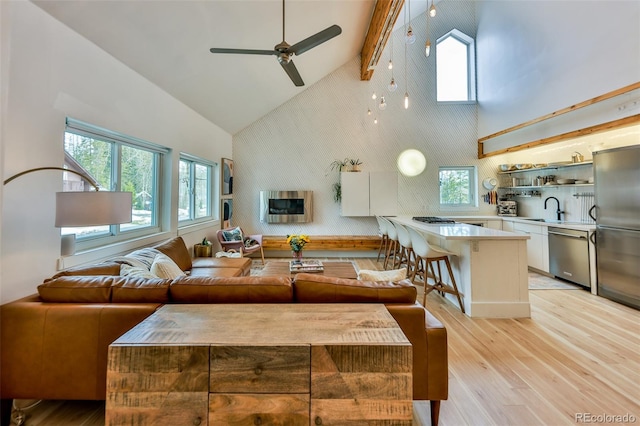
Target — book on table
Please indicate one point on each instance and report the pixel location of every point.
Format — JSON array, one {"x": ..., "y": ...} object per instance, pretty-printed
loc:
[{"x": 305, "y": 266}]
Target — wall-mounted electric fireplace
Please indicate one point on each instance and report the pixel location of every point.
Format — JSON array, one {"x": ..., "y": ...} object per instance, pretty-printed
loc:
[{"x": 286, "y": 206}]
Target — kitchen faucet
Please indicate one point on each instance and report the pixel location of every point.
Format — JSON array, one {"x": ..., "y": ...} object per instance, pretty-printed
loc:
[{"x": 558, "y": 212}]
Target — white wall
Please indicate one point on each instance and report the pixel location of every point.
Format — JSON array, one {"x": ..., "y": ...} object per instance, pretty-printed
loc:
[
  {"x": 292, "y": 147},
  {"x": 536, "y": 57},
  {"x": 48, "y": 73}
]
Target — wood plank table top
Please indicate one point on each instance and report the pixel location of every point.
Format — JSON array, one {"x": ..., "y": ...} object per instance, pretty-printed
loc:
[
  {"x": 331, "y": 269},
  {"x": 267, "y": 324}
]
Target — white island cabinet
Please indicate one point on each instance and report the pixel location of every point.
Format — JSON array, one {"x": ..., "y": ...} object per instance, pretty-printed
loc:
[{"x": 490, "y": 267}]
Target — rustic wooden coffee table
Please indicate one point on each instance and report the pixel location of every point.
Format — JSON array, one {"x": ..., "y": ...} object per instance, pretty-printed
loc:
[
  {"x": 331, "y": 269},
  {"x": 294, "y": 364}
]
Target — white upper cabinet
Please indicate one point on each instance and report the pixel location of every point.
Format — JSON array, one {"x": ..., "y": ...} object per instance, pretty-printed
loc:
[{"x": 369, "y": 193}]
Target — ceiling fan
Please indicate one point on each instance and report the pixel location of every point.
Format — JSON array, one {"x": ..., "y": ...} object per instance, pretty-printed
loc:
[{"x": 284, "y": 51}]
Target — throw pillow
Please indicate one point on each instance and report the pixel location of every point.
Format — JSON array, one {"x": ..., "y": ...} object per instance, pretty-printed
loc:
[
  {"x": 164, "y": 267},
  {"x": 234, "y": 234},
  {"x": 135, "y": 271},
  {"x": 392, "y": 275},
  {"x": 145, "y": 255}
]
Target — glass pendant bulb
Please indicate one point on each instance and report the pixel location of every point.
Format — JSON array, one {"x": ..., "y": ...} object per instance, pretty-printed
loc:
[
  {"x": 392, "y": 85},
  {"x": 374, "y": 96},
  {"x": 406, "y": 100},
  {"x": 432, "y": 10},
  {"x": 369, "y": 111},
  {"x": 383, "y": 103},
  {"x": 410, "y": 37},
  {"x": 427, "y": 48},
  {"x": 375, "y": 121},
  {"x": 390, "y": 66}
]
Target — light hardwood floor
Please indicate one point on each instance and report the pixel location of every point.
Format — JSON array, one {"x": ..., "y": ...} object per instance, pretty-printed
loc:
[{"x": 578, "y": 355}]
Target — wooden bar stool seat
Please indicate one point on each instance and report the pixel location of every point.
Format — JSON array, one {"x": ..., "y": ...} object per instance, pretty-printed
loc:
[
  {"x": 426, "y": 255},
  {"x": 384, "y": 237}
]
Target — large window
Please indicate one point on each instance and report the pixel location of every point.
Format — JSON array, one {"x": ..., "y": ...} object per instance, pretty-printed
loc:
[
  {"x": 455, "y": 68},
  {"x": 116, "y": 163},
  {"x": 195, "y": 190},
  {"x": 458, "y": 189}
]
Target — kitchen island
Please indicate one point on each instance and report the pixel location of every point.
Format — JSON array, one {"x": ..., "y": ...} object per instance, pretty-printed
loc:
[{"x": 490, "y": 267}]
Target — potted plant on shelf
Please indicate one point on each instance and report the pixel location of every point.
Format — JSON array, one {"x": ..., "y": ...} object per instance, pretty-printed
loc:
[
  {"x": 204, "y": 249},
  {"x": 355, "y": 164}
]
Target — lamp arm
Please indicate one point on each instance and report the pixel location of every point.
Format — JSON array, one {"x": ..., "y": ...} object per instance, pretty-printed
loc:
[{"x": 87, "y": 178}]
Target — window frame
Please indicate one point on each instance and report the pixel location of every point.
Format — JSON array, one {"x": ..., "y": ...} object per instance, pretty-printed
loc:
[
  {"x": 116, "y": 233},
  {"x": 212, "y": 168},
  {"x": 473, "y": 189},
  {"x": 469, "y": 42}
]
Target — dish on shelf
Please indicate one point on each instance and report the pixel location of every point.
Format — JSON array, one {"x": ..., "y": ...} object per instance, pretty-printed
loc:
[
  {"x": 550, "y": 183},
  {"x": 560, "y": 163},
  {"x": 565, "y": 181},
  {"x": 581, "y": 181},
  {"x": 524, "y": 166},
  {"x": 540, "y": 165}
]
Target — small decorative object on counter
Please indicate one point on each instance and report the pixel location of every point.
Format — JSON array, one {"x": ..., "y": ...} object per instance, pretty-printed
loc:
[
  {"x": 297, "y": 243},
  {"x": 204, "y": 249}
]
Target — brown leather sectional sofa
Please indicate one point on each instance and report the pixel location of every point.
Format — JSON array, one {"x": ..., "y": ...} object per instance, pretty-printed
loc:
[{"x": 54, "y": 344}]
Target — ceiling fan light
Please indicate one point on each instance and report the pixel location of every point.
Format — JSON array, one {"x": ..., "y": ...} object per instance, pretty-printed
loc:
[
  {"x": 432, "y": 10},
  {"x": 427, "y": 48},
  {"x": 392, "y": 85}
]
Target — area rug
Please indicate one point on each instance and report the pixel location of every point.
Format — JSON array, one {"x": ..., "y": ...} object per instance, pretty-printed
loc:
[{"x": 542, "y": 282}]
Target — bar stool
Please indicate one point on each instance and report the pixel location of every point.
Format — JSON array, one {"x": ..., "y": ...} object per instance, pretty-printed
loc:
[
  {"x": 384, "y": 237},
  {"x": 426, "y": 255},
  {"x": 406, "y": 249},
  {"x": 392, "y": 248}
]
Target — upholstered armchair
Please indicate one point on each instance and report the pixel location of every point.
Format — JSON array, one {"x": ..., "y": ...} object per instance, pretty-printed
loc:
[{"x": 236, "y": 240}]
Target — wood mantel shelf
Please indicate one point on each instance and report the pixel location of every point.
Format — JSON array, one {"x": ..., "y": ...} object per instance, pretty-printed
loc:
[{"x": 326, "y": 242}]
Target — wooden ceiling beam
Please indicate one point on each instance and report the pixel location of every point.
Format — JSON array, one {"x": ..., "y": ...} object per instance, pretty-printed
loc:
[{"x": 384, "y": 18}]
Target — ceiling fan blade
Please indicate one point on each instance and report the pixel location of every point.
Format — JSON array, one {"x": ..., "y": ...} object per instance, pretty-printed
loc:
[
  {"x": 293, "y": 73},
  {"x": 316, "y": 39},
  {"x": 244, "y": 51}
]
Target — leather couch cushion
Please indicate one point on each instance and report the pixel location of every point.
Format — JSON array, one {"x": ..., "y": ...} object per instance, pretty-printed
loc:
[
  {"x": 314, "y": 288},
  {"x": 77, "y": 289},
  {"x": 140, "y": 290},
  {"x": 107, "y": 268},
  {"x": 231, "y": 290},
  {"x": 216, "y": 272},
  {"x": 176, "y": 249}
]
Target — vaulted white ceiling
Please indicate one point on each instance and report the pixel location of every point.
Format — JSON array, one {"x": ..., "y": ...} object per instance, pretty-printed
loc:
[{"x": 168, "y": 43}]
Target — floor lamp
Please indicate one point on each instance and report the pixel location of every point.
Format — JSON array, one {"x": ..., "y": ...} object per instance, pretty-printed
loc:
[{"x": 86, "y": 208}]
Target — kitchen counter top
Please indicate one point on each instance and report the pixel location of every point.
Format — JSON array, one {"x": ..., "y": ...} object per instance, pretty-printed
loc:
[
  {"x": 459, "y": 231},
  {"x": 581, "y": 226}
]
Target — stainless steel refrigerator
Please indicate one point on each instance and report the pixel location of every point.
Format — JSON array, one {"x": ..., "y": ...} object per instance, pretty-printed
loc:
[{"x": 617, "y": 213}]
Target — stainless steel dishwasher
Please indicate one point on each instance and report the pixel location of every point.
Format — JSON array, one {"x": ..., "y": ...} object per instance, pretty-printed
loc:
[{"x": 569, "y": 255}]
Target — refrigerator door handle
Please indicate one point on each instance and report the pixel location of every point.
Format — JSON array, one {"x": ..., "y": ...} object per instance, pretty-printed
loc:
[{"x": 591, "y": 210}]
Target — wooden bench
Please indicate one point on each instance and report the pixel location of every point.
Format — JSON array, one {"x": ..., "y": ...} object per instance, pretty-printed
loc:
[{"x": 326, "y": 242}]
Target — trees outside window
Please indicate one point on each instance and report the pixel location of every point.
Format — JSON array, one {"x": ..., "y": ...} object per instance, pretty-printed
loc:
[
  {"x": 116, "y": 163},
  {"x": 195, "y": 193},
  {"x": 458, "y": 189}
]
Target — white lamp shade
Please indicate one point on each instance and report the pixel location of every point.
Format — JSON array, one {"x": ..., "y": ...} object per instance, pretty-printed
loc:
[
  {"x": 411, "y": 162},
  {"x": 92, "y": 208}
]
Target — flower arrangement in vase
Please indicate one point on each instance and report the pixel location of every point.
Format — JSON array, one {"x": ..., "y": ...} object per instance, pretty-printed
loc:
[{"x": 297, "y": 243}]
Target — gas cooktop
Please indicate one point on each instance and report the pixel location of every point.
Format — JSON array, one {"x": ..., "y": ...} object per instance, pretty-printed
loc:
[{"x": 433, "y": 219}]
